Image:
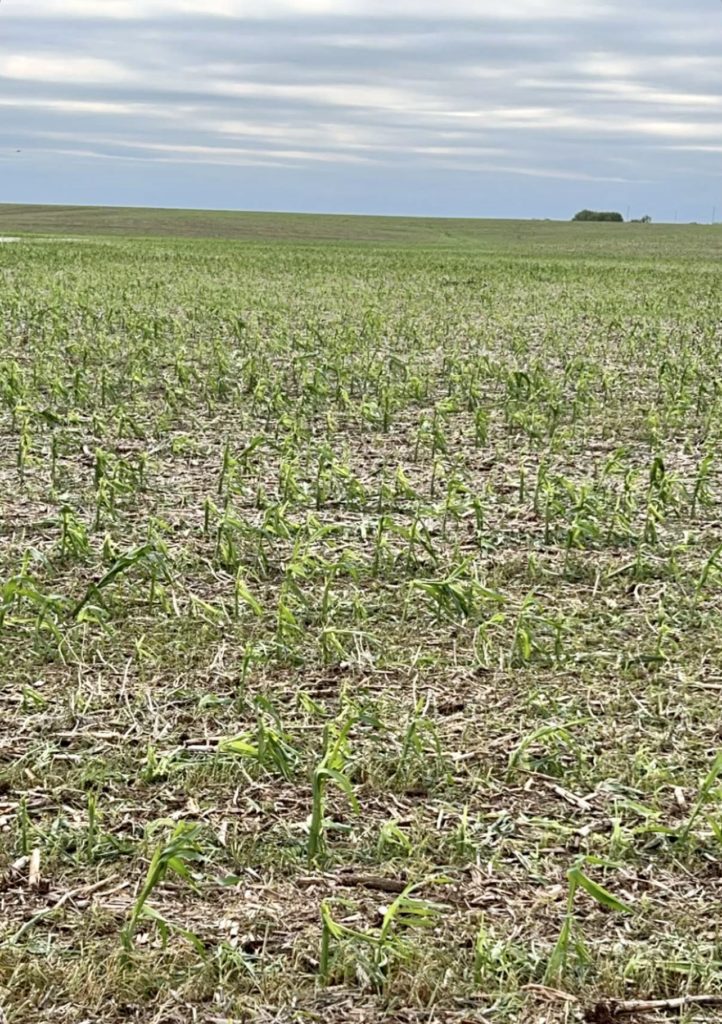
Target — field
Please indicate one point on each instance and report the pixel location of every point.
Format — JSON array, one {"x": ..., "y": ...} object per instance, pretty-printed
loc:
[{"x": 360, "y": 620}]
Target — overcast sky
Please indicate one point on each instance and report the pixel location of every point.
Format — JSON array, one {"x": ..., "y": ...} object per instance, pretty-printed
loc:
[{"x": 528, "y": 108}]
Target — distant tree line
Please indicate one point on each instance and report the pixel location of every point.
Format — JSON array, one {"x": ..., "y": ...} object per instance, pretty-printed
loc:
[{"x": 609, "y": 215}]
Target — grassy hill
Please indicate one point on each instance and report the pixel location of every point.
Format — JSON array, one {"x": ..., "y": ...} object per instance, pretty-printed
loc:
[{"x": 493, "y": 235}]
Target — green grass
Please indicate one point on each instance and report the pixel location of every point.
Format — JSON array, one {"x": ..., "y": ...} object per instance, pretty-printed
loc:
[{"x": 359, "y": 618}]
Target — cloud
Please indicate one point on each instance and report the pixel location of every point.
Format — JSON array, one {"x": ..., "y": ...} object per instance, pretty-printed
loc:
[
  {"x": 540, "y": 92},
  {"x": 251, "y": 9},
  {"x": 48, "y": 67}
]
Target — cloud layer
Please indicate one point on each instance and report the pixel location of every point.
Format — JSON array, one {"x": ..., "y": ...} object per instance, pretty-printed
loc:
[{"x": 529, "y": 109}]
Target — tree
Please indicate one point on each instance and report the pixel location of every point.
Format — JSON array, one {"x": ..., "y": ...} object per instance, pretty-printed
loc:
[{"x": 602, "y": 215}]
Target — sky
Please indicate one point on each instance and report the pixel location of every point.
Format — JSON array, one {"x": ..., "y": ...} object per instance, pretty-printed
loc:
[{"x": 473, "y": 108}]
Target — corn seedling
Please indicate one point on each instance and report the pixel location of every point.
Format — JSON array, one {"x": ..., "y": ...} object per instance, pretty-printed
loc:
[
  {"x": 403, "y": 916},
  {"x": 330, "y": 769},
  {"x": 570, "y": 939},
  {"x": 175, "y": 856}
]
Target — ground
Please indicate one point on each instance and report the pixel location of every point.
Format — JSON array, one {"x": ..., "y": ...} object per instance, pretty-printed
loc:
[{"x": 360, "y": 645}]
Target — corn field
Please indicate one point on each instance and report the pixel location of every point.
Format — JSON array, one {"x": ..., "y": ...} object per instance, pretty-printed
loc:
[{"x": 360, "y": 627}]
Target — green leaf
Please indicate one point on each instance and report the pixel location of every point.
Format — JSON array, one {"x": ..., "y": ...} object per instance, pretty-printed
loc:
[
  {"x": 334, "y": 928},
  {"x": 238, "y": 745},
  {"x": 342, "y": 782},
  {"x": 166, "y": 927},
  {"x": 605, "y": 898},
  {"x": 121, "y": 565},
  {"x": 562, "y": 731},
  {"x": 244, "y": 594},
  {"x": 711, "y": 778}
]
